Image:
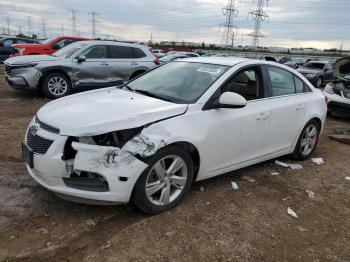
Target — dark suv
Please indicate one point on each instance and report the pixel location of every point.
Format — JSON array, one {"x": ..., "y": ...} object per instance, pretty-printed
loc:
[
  {"x": 317, "y": 72},
  {"x": 7, "y": 42}
]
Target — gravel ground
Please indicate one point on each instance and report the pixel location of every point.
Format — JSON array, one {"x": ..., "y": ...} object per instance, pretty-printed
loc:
[{"x": 214, "y": 223}]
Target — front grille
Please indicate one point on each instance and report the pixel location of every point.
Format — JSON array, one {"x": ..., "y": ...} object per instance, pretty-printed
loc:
[
  {"x": 38, "y": 144},
  {"x": 8, "y": 70},
  {"x": 47, "y": 127}
]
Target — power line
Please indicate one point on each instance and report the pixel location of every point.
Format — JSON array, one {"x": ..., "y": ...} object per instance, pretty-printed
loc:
[
  {"x": 258, "y": 16},
  {"x": 229, "y": 12},
  {"x": 8, "y": 25}
]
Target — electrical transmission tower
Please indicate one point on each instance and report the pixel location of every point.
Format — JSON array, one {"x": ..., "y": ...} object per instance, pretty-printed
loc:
[
  {"x": 230, "y": 12},
  {"x": 29, "y": 24},
  {"x": 75, "y": 26},
  {"x": 43, "y": 27},
  {"x": 8, "y": 25},
  {"x": 93, "y": 22},
  {"x": 259, "y": 16}
]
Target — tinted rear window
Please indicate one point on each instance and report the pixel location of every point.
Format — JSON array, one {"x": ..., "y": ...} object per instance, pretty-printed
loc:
[
  {"x": 120, "y": 52},
  {"x": 138, "y": 53}
]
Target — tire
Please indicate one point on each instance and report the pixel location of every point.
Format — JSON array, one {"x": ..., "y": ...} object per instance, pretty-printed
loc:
[
  {"x": 63, "y": 87},
  {"x": 155, "y": 200},
  {"x": 307, "y": 142},
  {"x": 319, "y": 82}
]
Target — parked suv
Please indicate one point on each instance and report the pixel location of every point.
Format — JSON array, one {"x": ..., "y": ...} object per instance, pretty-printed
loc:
[
  {"x": 317, "y": 72},
  {"x": 82, "y": 64},
  {"x": 47, "y": 47},
  {"x": 7, "y": 42}
]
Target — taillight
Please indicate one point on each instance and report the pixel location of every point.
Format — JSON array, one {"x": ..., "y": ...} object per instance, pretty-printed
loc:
[{"x": 157, "y": 61}]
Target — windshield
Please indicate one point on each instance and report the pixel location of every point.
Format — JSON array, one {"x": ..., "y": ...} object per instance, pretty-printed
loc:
[
  {"x": 179, "y": 82},
  {"x": 169, "y": 58},
  {"x": 70, "y": 50},
  {"x": 48, "y": 41},
  {"x": 317, "y": 66}
]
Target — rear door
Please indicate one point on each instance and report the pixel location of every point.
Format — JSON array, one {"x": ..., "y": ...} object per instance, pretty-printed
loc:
[
  {"x": 124, "y": 61},
  {"x": 288, "y": 107},
  {"x": 328, "y": 72}
]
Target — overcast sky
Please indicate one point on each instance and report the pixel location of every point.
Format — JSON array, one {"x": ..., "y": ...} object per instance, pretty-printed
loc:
[{"x": 297, "y": 23}]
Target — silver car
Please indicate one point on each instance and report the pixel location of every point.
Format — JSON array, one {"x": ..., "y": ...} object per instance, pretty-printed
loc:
[{"x": 82, "y": 64}]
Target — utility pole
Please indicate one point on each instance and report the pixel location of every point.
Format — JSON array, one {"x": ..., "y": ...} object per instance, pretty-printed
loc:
[
  {"x": 19, "y": 29},
  {"x": 62, "y": 30},
  {"x": 259, "y": 16},
  {"x": 93, "y": 22},
  {"x": 8, "y": 25},
  {"x": 74, "y": 22},
  {"x": 29, "y": 24},
  {"x": 230, "y": 12},
  {"x": 43, "y": 24}
]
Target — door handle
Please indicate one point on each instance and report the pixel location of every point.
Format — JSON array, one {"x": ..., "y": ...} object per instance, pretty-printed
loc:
[
  {"x": 263, "y": 116},
  {"x": 104, "y": 63},
  {"x": 133, "y": 63},
  {"x": 300, "y": 107}
]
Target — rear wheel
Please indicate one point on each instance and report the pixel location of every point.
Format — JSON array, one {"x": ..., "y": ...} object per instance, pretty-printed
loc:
[
  {"x": 56, "y": 85},
  {"x": 165, "y": 182},
  {"x": 307, "y": 141}
]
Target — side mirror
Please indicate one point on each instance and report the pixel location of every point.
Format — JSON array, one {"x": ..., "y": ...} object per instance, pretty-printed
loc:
[
  {"x": 230, "y": 100},
  {"x": 81, "y": 58}
]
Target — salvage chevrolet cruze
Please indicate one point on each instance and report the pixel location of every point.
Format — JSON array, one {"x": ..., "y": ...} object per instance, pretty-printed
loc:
[{"x": 145, "y": 142}]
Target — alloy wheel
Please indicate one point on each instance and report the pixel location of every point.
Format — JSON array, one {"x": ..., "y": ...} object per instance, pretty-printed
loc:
[
  {"x": 57, "y": 85},
  {"x": 309, "y": 139},
  {"x": 166, "y": 180}
]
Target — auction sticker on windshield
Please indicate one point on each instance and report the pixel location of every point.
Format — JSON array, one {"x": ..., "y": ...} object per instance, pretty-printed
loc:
[{"x": 213, "y": 71}]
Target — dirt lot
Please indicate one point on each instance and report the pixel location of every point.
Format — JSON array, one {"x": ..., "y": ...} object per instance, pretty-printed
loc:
[{"x": 217, "y": 224}]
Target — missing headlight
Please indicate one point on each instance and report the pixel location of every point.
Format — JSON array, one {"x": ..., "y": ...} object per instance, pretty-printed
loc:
[{"x": 117, "y": 138}]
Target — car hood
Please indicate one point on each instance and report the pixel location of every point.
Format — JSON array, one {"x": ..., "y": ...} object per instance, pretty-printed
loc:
[
  {"x": 308, "y": 71},
  {"x": 26, "y": 59},
  {"x": 102, "y": 111},
  {"x": 342, "y": 68}
]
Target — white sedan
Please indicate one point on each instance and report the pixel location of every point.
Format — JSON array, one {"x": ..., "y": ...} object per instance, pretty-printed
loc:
[{"x": 189, "y": 120}]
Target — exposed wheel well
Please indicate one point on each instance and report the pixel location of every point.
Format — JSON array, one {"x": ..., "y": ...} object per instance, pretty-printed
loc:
[
  {"x": 194, "y": 155},
  {"x": 137, "y": 73},
  {"x": 319, "y": 122},
  {"x": 49, "y": 72}
]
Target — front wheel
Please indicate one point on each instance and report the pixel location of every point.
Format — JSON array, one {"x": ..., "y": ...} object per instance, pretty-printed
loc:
[
  {"x": 165, "y": 182},
  {"x": 307, "y": 141},
  {"x": 56, "y": 85}
]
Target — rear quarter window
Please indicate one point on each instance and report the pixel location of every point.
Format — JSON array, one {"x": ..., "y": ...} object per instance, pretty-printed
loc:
[{"x": 138, "y": 53}]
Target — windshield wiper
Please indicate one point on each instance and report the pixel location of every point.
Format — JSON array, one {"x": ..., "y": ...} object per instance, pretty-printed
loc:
[{"x": 147, "y": 93}]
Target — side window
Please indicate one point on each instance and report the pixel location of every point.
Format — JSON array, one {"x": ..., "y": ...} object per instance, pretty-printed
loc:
[
  {"x": 98, "y": 51},
  {"x": 138, "y": 53},
  {"x": 282, "y": 82},
  {"x": 20, "y": 41},
  {"x": 64, "y": 43},
  {"x": 247, "y": 83},
  {"x": 120, "y": 52},
  {"x": 328, "y": 67},
  {"x": 299, "y": 85},
  {"x": 8, "y": 43}
]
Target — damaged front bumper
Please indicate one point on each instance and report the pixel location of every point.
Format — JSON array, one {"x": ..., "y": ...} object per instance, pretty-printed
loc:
[{"x": 96, "y": 174}]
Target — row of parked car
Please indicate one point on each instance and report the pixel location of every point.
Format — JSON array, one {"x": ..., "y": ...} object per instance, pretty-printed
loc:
[{"x": 58, "y": 65}]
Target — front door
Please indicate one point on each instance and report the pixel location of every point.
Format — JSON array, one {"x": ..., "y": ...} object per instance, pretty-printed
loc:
[
  {"x": 237, "y": 135},
  {"x": 96, "y": 70}
]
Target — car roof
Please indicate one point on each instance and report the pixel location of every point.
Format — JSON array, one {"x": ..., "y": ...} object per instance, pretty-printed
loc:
[
  {"x": 319, "y": 62},
  {"x": 228, "y": 61},
  {"x": 104, "y": 42}
]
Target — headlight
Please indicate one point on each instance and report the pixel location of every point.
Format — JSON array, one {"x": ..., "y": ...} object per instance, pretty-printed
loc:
[
  {"x": 329, "y": 89},
  {"x": 310, "y": 75},
  {"x": 29, "y": 65}
]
